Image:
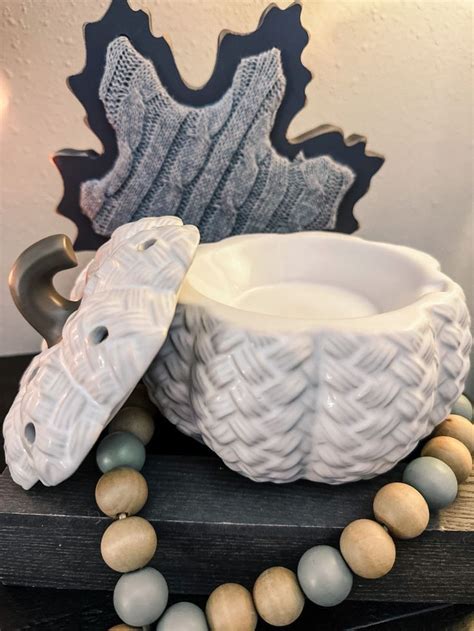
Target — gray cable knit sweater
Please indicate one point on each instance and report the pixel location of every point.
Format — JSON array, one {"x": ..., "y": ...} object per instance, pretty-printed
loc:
[{"x": 213, "y": 166}]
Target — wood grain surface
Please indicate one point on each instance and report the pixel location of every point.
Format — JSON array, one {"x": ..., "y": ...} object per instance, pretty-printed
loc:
[
  {"x": 215, "y": 526},
  {"x": 27, "y": 609}
]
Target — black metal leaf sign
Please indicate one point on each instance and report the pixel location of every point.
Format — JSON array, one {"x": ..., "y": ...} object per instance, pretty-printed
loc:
[{"x": 280, "y": 29}]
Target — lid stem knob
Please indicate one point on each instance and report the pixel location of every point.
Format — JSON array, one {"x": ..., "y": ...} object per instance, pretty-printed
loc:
[{"x": 32, "y": 289}]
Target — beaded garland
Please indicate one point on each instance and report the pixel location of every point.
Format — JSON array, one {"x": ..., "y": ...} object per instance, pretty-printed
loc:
[{"x": 324, "y": 574}]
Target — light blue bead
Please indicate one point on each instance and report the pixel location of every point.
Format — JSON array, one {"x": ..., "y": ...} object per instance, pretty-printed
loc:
[
  {"x": 463, "y": 407},
  {"x": 433, "y": 479},
  {"x": 120, "y": 449},
  {"x": 324, "y": 576},
  {"x": 140, "y": 597},
  {"x": 183, "y": 617}
]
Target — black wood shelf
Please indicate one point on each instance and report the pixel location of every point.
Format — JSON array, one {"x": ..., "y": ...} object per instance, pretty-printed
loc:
[
  {"x": 214, "y": 525},
  {"x": 30, "y": 609}
]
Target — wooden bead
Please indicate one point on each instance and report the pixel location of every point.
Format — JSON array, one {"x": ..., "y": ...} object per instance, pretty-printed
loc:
[
  {"x": 230, "y": 608},
  {"x": 457, "y": 427},
  {"x": 120, "y": 449},
  {"x": 135, "y": 420},
  {"x": 463, "y": 407},
  {"x": 183, "y": 616},
  {"x": 140, "y": 597},
  {"x": 367, "y": 548},
  {"x": 324, "y": 577},
  {"x": 123, "y": 627},
  {"x": 128, "y": 544},
  {"x": 452, "y": 452},
  {"x": 433, "y": 479},
  {"x": 278, "y": 597},
  {"x": 121, "y": 491},
  {"x": 402, "y": 509},
  {"x": 139, "y": 398}
]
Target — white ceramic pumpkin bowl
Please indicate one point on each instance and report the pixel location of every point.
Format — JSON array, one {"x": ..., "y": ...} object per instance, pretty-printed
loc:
[{"x": 312, "y": 355}]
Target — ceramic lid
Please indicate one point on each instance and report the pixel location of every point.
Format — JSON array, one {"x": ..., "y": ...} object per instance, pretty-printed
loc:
[{"x": 72, "y": 390}]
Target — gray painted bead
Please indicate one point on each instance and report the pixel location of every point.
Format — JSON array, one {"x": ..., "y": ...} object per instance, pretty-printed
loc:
[
  {"x": 433, "y": 479},
  {"x": 120, "y": 449},
  {"x": 141, "y": 597},
  {"x": 324, "y": 576},
  {"x": 463, "y": 407},
  {"x": 183, "y": 617}
]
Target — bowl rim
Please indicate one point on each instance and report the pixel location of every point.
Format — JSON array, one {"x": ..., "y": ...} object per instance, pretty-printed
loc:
[{"x": 396, "y": 319}]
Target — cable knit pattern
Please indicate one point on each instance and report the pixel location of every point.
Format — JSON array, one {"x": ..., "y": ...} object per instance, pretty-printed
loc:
[{"x": 212, "y": 166}]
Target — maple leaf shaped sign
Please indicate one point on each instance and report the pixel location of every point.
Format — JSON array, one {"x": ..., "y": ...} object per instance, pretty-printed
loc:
[{"x": 218, "y": 157}]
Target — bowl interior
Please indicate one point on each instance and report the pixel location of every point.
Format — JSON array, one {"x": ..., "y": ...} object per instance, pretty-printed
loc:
[{"x": 311, "y": 275}]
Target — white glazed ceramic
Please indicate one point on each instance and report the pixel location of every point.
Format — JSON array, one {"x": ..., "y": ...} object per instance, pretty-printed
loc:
[
  {"x": 312, "y": 355},
  {"x": 70, "y": 391}
]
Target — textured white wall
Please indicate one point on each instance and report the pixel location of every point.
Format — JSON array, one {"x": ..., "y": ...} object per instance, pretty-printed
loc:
[{"x": 396, "y": 72}]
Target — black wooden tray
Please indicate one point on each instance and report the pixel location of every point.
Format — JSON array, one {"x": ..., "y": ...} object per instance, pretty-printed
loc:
[{"x": 214, "y": 526}]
